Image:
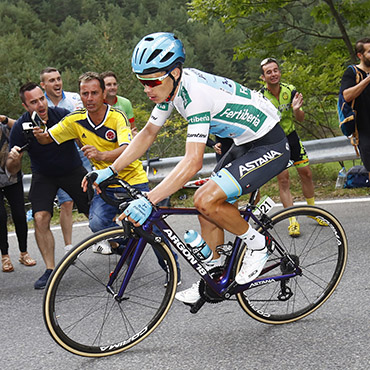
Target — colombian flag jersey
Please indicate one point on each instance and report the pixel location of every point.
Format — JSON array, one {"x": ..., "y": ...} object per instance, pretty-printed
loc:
[{"x": 108, "y": 135}]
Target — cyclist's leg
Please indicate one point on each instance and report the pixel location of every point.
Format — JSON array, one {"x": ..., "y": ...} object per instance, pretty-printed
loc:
[{"x": 246, "y": 173}]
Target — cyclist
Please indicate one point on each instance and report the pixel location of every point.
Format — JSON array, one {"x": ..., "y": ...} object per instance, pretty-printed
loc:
[{"x": 211, "y": 105}]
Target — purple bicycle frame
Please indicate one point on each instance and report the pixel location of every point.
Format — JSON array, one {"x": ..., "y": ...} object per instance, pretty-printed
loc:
[{"x": 224, "y": 286}]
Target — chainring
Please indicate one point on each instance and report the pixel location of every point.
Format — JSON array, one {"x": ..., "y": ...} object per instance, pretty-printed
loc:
[{"x": 206, "y": 292}]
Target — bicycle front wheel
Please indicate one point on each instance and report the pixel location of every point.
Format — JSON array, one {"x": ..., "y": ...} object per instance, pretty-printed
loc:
[
  {"x": 320, "y": 251},
  {"x": 85, "y": 318}
]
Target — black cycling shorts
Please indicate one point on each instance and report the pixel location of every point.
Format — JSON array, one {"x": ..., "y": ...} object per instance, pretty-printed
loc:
[
  {"x": 297, "y": 151},
  {"x": 247, "y": 167}
]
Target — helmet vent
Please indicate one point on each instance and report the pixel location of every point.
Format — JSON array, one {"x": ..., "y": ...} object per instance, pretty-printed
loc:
[
  {"x": 154, "y": 54},
  {"x": 142, "y": 55},
  {"x": 167, "y": 57}
]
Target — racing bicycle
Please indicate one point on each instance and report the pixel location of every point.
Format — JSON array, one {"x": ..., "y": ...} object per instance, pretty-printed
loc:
[{"x": 97, "y": 305}]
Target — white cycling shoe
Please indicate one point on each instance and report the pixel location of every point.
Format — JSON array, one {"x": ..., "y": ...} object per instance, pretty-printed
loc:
[
  {"x": 253, "y": 263},
  {"x": 192, "y": 295}
]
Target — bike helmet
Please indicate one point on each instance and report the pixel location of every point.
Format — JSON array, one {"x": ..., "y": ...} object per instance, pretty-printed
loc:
[{"x": 156, "y": 52}]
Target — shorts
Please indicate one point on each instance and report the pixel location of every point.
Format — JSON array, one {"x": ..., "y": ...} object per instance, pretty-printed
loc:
[
  {"x": 62, "y": 196},
  {"x": 364, "y": 147},
  {"x": 297, "y": 151},
  {"x": 247, "y": 167},
  {"x": 44, "y": 188}
]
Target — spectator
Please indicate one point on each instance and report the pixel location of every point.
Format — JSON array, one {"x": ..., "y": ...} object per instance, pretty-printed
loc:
[
  {"x": 289, "y": 102},
  {"x": 360, "y": 92},
  {"x": 52, "y": 83},
  {"x": 116, "y": 101},
  {"x": 104, "y": 143},
  {"x": 52, "y": 166},
  {"x": 11, "y": 188}
]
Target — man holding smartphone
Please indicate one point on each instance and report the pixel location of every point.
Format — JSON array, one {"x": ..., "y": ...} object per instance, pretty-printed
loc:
[
  {"x": 53, "y": 167},
  {"x": 52, "y": 83}
]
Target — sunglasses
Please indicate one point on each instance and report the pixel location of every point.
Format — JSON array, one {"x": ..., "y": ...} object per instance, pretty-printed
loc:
[
  {"x": 268, "y": 60},
  {"x": 153, "y": 81}
]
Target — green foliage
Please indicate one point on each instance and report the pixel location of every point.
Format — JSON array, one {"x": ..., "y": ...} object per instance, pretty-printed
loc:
[
  {"x": 311, "y": 39},
  {"x": 231, "y": 39}
]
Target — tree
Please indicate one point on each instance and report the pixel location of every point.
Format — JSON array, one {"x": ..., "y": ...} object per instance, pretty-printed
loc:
[{"x": 312, "y": 39}]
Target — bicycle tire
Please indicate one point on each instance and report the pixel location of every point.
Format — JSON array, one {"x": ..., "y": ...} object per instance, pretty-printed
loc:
[
  {"x": 322, "y": 253},
  {"x": 85, "y": 319}
]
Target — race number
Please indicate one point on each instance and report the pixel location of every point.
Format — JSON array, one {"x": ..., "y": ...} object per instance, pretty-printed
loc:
[{"x": 264, "y": 205}]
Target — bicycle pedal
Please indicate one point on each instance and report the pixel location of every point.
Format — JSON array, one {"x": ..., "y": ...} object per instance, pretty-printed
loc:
[
  {"x": 195, "y": 307},
  {"x": 225, "y": 249}
]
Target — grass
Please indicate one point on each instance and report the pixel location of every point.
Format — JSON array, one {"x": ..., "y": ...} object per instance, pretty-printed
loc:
[{"x": 324, "y": 177}]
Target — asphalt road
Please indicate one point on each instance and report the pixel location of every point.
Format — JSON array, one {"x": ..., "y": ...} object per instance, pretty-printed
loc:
[{"x": 220, "y": 336}]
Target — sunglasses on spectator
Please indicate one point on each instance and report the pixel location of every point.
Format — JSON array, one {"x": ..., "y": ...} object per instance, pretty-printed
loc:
[
  {"x": 153, "y": 81},
  {"x": 268, "y": 60}
]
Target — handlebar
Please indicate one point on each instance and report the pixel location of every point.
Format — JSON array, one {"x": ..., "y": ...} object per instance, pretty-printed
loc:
[{"x": 121, "y": 202}]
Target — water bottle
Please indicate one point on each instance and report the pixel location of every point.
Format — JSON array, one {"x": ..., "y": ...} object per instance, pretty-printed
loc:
[
  {"x": 29, "y": 215},
  {"x": 341, "y": 179},
  {"x": 199, "y": 247}
]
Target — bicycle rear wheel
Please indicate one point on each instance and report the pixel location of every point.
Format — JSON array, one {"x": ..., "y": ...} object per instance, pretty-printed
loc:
[
  {"x": 84, "y": 317},
  {"x": 321, "y": 254}
]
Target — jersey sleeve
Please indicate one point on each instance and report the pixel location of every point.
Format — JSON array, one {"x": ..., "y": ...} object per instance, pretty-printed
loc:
[
  {"x": 130, "y": 112},
  {"x": 124, "y": 135},
  {"x": 160, "y": 114},
  {"x": 63, "y": 131},
  {"x": 198, "y": 115},
  {"x": 348, "y": 79}
]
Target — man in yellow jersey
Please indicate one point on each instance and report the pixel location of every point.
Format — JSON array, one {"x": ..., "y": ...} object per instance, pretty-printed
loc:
[
  {"x": 104, "y": 133},
  {"x": 289, "y": 102}
]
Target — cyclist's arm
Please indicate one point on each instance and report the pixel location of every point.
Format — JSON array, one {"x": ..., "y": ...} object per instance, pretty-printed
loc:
[
  {"x": 138, "y": 146},
  {"x": 186, "y": 169}
]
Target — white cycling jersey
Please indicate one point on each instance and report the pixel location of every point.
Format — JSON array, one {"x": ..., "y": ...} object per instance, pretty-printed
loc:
[{"x": 217, "y": 105}]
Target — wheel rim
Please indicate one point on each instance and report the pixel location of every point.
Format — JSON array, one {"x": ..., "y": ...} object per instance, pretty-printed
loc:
[
  {"x": 84, "y": 318},
  {"x": 322, "y": 255}
]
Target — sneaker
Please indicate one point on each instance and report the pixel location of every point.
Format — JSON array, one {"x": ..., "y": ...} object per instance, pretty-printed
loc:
[
  {"x": 67, "y": 248},
  {"x": 293, "y": 229},
  {"x": 189, "y": 296},
  {"x": 178, "y": 278},
  {"x": 319, "y": 221},
  {"x": 41, "y": 283},
  {"x": 253, "y": 263},
  {"x": 102, "y": 247}
]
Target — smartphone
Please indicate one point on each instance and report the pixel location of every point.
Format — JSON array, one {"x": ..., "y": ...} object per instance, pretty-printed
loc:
[
  {"x": 37, "y": 121},
  {"x": 24, "y": 147}
]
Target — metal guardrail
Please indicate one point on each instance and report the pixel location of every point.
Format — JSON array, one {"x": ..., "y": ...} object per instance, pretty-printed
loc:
[{"x": 319, "y": 151}]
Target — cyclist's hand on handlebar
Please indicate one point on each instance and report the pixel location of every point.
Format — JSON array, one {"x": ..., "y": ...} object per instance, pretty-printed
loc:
[
  {"x": 96, "y": 177},
  {"x": 138, "y": 211}
]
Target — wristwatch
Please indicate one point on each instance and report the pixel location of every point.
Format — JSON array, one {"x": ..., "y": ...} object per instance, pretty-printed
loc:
[{"x": 6, "y": 120}]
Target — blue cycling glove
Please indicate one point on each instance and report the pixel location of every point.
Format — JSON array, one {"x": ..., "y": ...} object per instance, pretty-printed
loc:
[
  {"x": 103, "y": 174},
  {"x": 139, "y": 210}
]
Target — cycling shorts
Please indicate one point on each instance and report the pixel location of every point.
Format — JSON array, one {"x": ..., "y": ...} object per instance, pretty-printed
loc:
[
  {"x": 297, "y": 151},
  {"x": 247, "y": 167}
]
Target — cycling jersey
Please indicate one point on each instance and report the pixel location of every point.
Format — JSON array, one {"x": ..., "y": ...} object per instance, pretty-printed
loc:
[
  {"x": 111, "y": 133},
  {"x": 217, "y": 105},
  {"x": 125, "y": 105},
  {"x": 70, "y": 101},
  {"x": 284, "y": 105}
]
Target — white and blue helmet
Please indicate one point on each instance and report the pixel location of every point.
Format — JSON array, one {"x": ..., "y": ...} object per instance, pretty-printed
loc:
[{"x": 156, "y": 52}]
